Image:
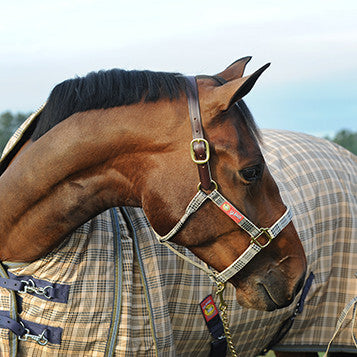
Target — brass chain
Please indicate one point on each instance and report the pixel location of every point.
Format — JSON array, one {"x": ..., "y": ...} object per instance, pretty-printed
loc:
[{"x": 223, "y": 308}]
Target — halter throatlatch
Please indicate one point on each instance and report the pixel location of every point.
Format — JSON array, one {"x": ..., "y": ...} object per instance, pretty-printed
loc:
[{"x": 260, "y": 237}]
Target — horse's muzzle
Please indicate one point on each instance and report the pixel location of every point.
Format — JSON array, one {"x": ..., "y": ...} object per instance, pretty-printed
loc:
[
  {"x": 276, "y": 294},
  {"x": 273, "y": 289}
]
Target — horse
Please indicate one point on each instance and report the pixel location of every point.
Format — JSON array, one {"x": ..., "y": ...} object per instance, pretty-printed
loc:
[{"x": 90, "y": 149}]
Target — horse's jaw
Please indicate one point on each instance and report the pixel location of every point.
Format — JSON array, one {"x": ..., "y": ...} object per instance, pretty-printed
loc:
[
  {"x": 269, "y": 281},
  {"x": 267, "y": 290}
]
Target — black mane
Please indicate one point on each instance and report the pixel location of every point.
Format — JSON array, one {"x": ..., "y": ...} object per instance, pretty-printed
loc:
[
  {"x": 112, "y": 88},
  {"x": 106, "y": 89}
]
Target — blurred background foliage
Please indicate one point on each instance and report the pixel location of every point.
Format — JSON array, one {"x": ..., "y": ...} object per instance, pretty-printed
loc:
[{"x": 8, "y": 124}]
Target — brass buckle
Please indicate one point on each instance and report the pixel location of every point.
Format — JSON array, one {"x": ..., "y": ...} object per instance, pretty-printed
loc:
[
  {"x": 193, "y": 156},
  {"x": 268, "y": 237}
]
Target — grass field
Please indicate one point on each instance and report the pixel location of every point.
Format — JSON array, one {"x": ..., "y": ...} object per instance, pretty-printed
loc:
[{"x": 272, "y": 354}]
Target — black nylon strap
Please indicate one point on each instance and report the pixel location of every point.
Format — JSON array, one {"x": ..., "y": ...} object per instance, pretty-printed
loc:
[{"x": 215, "y": 327}]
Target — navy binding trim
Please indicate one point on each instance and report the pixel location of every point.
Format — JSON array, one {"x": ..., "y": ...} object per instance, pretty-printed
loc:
[
  {"x": 118, "y": 277},
  {"x": 142, "y": 269},
  {"x": 12, "y": 313},
  {"x": 287, "y": 324}
]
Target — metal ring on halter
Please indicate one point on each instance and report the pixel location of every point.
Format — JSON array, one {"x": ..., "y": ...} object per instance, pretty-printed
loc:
[{"x": 214, "y": 183}]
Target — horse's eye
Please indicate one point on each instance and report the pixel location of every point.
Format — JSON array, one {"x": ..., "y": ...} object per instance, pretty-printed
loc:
[{"x": 252, "y": 174}]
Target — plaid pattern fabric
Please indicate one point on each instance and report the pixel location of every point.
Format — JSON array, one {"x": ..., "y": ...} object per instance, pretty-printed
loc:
[
  {"x": 85, "y": 262},
  {"x": 318, "y": 180},
  {"x": 153, "y": 309}
]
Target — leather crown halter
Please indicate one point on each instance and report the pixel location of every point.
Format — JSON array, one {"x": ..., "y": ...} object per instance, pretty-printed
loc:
[{"x": 200, "y": 155}]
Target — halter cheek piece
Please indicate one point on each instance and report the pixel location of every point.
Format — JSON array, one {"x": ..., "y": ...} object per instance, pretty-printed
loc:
[{"x": 200, "y": 155}]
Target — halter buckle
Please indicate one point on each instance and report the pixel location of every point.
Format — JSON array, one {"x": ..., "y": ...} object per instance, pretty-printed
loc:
[
  {"x": 192, "y": 150},
  {"x": 265, "y": 232}
]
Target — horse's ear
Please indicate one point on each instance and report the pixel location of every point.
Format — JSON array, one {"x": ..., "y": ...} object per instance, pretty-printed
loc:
[
  {"x": 229, "y": 93},
  {"x": 235, "y": 70}
]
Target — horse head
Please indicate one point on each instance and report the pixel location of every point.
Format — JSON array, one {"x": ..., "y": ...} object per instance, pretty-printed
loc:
[{"x": 273, "y": 277}]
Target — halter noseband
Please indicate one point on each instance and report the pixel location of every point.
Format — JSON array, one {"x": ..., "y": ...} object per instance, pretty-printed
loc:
[{"x": 200, "y": 155}]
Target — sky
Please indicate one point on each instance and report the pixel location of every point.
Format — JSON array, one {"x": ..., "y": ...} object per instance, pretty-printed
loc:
[{"x": 311, "y": 85}]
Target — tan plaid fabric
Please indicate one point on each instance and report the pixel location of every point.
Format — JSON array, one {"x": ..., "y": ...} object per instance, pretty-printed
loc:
[
  {"x": 319, "y": 181},
  {"x": 130, "y": 296}
]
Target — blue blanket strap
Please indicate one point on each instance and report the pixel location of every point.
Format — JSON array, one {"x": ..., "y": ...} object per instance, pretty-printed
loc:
[
  {"x": 30, "y": 331},
  {"x": 287, "y": 324},
  {"x": 12, "y": 325},
  {"x": 40, "y": 288},
  {"x": 11, "y": 284},
  {"x": 215, "y": 327}
]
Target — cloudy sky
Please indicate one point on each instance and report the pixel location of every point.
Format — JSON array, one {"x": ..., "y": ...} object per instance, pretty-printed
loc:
[{"x": 311, "y": 85}]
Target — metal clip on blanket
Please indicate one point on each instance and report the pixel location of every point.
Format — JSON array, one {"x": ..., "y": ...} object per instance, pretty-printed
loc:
[
  {"x": 40, "y": 339},
  {"x": 30, "y": 287}
]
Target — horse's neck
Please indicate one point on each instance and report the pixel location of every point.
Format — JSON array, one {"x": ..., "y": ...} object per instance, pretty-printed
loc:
[{"x": 78, "y": 169}]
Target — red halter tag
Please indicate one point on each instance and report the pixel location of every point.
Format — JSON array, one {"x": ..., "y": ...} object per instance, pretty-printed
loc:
[{"x": 231, "y": 211}]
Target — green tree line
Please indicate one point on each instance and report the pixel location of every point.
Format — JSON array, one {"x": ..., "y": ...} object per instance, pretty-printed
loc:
[
  {"x": 347, "y": 139},
  {"x": 9, "y": 122}
]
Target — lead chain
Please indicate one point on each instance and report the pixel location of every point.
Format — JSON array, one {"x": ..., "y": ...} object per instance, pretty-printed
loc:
[{"x": 223, "y": 308}]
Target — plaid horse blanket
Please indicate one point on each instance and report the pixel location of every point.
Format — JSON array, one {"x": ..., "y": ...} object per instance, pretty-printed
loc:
[{"x": 118, "y": 292}]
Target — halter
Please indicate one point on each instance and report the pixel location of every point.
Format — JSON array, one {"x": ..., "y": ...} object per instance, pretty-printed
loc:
[{"x": 200, "y": 154}]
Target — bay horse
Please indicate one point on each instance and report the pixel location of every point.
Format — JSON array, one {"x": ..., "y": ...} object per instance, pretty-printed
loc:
[{"x": 118, "y": 138}]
